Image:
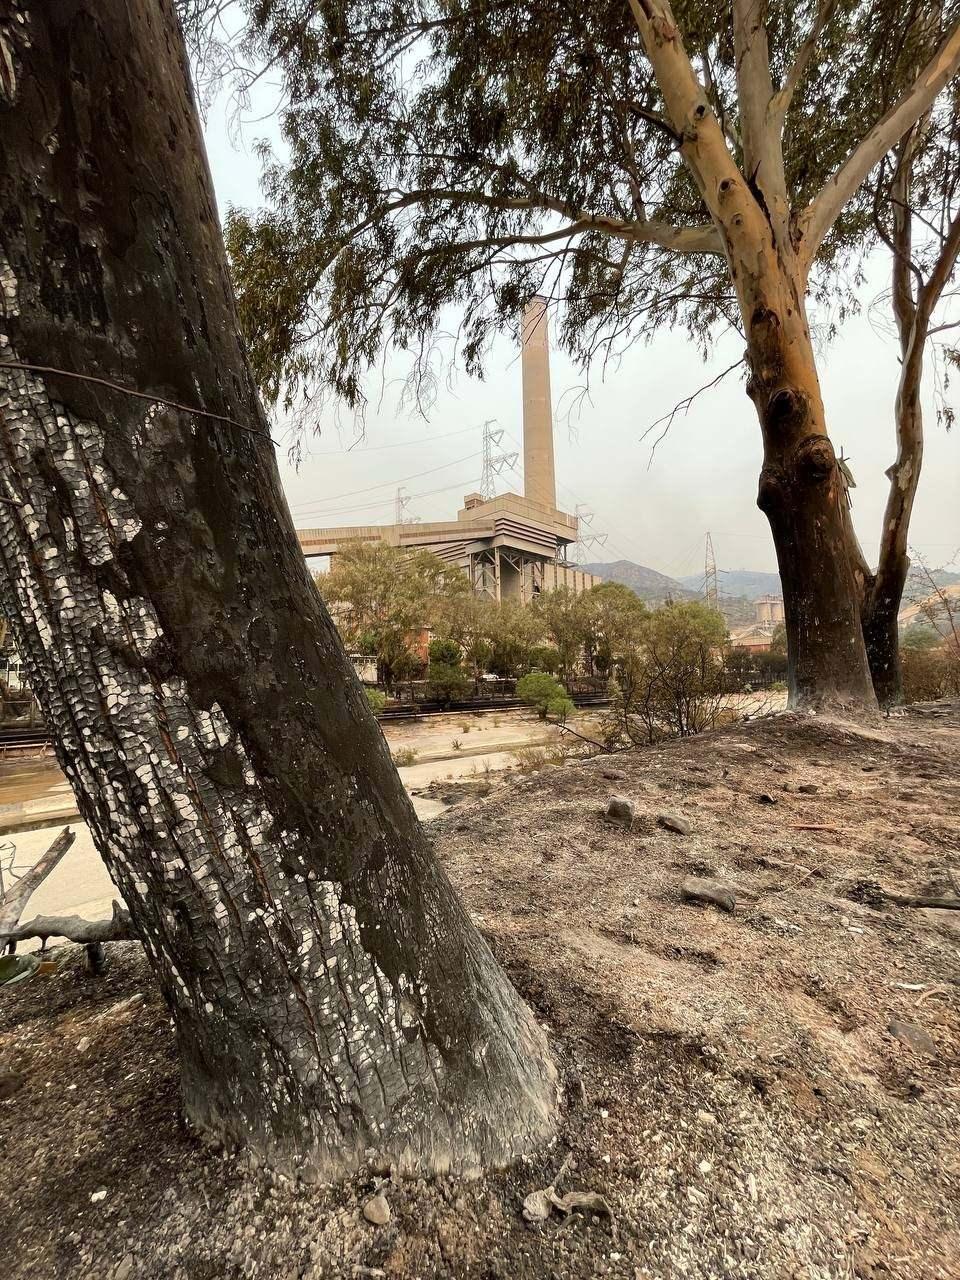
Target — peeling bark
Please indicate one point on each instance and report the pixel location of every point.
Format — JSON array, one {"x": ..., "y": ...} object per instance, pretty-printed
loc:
[
  {"x": 333, "y": 1004},
  {"x": 801, "y": 489}
]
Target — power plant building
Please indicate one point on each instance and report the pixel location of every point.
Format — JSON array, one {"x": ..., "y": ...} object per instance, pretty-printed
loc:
[{"x": 513, "y": 546}]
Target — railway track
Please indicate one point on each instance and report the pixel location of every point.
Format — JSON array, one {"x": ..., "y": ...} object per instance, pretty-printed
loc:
[
  {"x": 420, "y": 710},
  {"x": 21, "y": 741}
]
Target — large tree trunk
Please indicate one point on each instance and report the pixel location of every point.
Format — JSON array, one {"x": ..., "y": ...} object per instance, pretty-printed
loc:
[
  {"x": 801, "y": 488},
  {"x": 333, "y": 1004},
  {"x": 803, "y": 495}
]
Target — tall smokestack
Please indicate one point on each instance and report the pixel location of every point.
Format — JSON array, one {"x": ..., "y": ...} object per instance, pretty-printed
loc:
[{"x": 539, "y": 480}]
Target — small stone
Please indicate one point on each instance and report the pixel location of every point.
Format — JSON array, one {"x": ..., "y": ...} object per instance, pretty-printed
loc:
[
  {"x": 124, "y": 1268},
  {"x": 613, "y": 775},
  {"x": 913, "y": 1036},
  {"x": 766, "y": 798},
  {"x": 706, "y": 1117},
  {"x": 83, "y": 1044},
  {"x": 619, "y": 809},
  {"x": 97, "y": 1196},
  {"x": 709, "y": 893},
  {"x": 537, "y": 1206},
  {"x": 808, "y": 788},
  {"x": 673, "y": 822},
  {"x": 377, "y": 1211},
  {"x": 844, "y": 922},
  {"x": 704, "y": 1166}
]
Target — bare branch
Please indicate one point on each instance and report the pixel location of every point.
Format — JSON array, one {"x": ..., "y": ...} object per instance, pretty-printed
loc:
[
  {"x": 17, "y": 896},
  {"x": 820, "y": 215},
  {"x": 704, "y": 239},
  {"x": 75, "y": 929},
  {"x": 943, "y": 269},
  {"x": 683, "y": 406},
  {"x": 794, "y": 77}
]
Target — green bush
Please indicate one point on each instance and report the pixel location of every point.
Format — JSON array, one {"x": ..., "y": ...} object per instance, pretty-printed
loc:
[
  {"x": 559, "y": 708},
  {"x": 929, "y": 674},
  {"x": 446, "y": 682},
  {"x": 541, "y": 690},
  {"x": 404, "y": 756},
  {"x": 376, "y": 700}
]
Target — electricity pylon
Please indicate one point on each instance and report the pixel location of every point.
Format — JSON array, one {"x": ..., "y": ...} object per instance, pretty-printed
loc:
[
  {"x": 495, "y": 461},
  {"x": 711, "y": 593},
  {"x": 587, "y": 538}
]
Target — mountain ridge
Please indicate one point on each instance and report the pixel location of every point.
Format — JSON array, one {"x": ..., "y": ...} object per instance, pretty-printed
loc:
[{"x": 649, "y": 584}]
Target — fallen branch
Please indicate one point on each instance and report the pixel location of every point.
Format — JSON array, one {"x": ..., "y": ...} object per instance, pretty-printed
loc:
[
  {"x": 812, "y": 826},
  {"x": 907, "y": 900},
  {"x": 75, "y": 929},
  {"x": 16, "y": 897}
]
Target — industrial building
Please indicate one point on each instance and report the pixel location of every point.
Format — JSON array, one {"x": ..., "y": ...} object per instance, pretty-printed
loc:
[{"x": 512, "y": 546}]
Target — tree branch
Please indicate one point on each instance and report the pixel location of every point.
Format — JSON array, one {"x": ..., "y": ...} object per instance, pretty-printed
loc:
[
  {"x": 16, "y": 897},
  {"x": 759, "y": 129},
  {"x": 820, "y": 215},
  {"x": 702, "y": 239},
  {"x": 794, "y": 77},
  {"x": 75, "y": 929}
]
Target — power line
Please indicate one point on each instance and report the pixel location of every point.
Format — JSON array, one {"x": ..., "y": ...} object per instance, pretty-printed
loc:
[
  {"x": 386, "y": 484},
  {"x": 390, "y": 502},
  {"x": 397, "y": 444}
]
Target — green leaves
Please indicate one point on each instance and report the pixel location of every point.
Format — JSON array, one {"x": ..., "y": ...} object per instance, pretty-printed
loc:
[
  {"x": 466, "y": 154},
  {"x": 17, "y": 968}
]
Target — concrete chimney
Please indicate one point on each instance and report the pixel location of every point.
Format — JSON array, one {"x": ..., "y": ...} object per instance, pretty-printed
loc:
[{"x": 539, "y": 480}]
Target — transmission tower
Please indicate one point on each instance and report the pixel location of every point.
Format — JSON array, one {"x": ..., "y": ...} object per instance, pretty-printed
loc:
[
  {"x": 495, "y": 461},
  {"x": 711, "y": 593},
  {"x": 587, "y": 538},
  {"x": 402, "y": 514}
]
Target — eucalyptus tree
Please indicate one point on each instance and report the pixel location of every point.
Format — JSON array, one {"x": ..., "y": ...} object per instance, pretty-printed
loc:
[
  {"x": 333, "y": 1004},
  {"x": 917, "y": 214},
  {"x": 637, "y": 164}
]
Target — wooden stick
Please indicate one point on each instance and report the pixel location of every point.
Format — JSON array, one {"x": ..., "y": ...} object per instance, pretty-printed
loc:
[
  {"x": 812, "y": 826},
  {"x": 16, "y": 897},
  {"x": 937, "y": 904}
]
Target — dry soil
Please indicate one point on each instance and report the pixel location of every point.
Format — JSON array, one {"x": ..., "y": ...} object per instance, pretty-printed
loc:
[{"x": 770, "y": 1093}]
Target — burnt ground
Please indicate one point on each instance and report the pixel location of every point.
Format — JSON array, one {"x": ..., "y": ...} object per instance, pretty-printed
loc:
[{"x": 734, "y": 1089}]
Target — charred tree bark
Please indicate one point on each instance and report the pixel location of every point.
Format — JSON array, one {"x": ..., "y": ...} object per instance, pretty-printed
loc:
[{"x": 333, "y": 1004}]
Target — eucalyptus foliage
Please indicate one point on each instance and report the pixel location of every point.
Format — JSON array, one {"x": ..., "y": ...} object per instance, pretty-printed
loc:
[{"x": 449, "y": 160}]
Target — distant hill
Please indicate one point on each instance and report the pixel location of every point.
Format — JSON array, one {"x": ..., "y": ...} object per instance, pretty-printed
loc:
[
  {"x": 751, "y": 584},
  {"x": 739, "y": 582},
  {"x": 647, "y": 583}
]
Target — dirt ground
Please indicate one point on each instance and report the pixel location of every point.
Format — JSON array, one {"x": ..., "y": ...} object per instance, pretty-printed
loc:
[{"x": 771, "y": 1093}]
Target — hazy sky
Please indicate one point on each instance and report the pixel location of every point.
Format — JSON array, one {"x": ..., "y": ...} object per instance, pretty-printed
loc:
[{"x": 702, "y": 477}]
